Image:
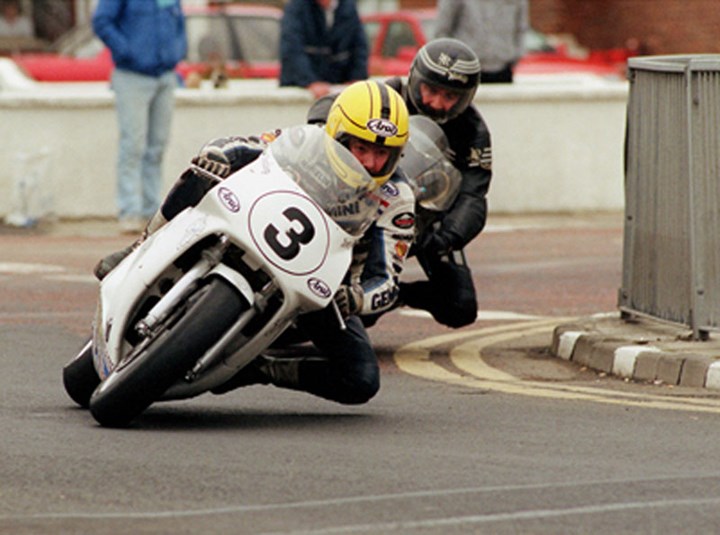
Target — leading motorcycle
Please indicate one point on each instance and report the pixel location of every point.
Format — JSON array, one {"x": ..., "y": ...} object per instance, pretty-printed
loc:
[{"x": 205, "y": 294}]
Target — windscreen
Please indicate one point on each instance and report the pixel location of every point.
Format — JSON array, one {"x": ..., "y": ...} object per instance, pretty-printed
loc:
[
  {"x": 434, "y": 179},
  {"x": 330, "y": 174}
]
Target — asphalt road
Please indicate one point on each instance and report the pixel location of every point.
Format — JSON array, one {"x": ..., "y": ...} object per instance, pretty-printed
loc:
[{"x": 475, "y": 430}]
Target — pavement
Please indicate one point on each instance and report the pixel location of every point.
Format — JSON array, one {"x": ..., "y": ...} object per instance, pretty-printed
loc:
[
  {"x": 641, "y": 349},
  {"x": 97, "y": 227}
]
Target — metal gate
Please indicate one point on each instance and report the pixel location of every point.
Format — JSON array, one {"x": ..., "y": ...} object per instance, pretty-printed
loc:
[{"x": 671, "y": 256}]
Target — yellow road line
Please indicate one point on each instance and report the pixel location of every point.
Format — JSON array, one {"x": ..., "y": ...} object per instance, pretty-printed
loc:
[{"x": 415, "y": 359}]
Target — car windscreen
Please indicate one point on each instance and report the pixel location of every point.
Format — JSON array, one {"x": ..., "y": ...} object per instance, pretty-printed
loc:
[
  {"x": 232, "y": 37},
  {"x": 209, "y": 39},
  {"x": 258, "y": 37}
]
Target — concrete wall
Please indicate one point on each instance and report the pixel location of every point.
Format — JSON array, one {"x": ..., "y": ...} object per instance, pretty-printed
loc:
[{"x": 557, "y": 145}]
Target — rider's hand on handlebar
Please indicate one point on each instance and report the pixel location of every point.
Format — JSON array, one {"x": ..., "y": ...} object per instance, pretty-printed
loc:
[
  {"x": 434, "y": 242},
  {"x": 349, "y": 299},
  {"x": 213, "y": 159}
]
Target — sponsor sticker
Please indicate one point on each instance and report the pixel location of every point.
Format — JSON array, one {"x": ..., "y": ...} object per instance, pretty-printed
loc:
[
  {"x": 401, "y": 249},
  {"x": 228, "y": 199},
  {"x": 480, "y": 157},
  {"x": 269, "y": 137},
  {"x": 319, "y": 287},
  {"x": 390, "y": 189},
  {"x": 404, "y": 220}
]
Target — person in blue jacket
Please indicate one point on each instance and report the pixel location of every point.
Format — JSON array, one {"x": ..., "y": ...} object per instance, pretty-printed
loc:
[
  {"x": 147, "y": 40},
  {"x": 322, "y": 43}
]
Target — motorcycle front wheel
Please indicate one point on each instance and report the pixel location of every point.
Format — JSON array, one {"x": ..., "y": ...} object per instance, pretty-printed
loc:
[
  {"x": 139, "y": 381},
  {"x": 79, "y": 376}
]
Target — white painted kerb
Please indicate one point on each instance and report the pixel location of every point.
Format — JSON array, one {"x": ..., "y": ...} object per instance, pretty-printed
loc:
[
  {"x": 712, "y": 380},
  {"x": 625, "y": 358},
  {"x": 567, "y": 342}
]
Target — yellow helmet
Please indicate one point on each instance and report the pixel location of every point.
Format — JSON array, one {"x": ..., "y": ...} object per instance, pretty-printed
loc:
[{"x": 374, "y": 112}]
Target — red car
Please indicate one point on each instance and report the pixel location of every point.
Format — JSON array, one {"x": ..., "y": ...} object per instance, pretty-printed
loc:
[
  {"x": 395, "y": 37},
  {"x": 244, "y": 37}
]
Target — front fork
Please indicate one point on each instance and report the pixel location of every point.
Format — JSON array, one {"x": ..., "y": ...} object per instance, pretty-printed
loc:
[{"x": 163, "y": 308}]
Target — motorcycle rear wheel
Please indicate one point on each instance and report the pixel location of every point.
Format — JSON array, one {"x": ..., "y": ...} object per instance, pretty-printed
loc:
[
  {"x": 80, "y": 378},
  {"x": 134, "y": 386}
]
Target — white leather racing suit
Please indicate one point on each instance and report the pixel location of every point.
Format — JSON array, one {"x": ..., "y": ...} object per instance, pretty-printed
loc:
[{"x": 379, "y": 255}]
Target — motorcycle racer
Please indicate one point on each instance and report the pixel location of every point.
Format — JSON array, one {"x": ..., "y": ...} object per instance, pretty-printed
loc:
[
  {"x": 371, "y": 121},
  {"x": 441, "y": 85}
]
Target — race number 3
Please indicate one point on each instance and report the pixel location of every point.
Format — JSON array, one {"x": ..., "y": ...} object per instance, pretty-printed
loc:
[
  {"x": 290, "y": 231},
  {"x": 289, "y": 248}
]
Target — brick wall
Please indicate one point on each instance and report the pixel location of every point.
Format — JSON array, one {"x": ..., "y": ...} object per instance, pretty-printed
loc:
[
  {"x": 409, "y": 4},
  {"x": 660, "y": 26}
]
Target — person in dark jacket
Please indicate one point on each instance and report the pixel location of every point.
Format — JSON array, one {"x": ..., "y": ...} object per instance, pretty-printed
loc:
[
  {"x": 322, "y": 43},
  {"x": 147, "y": 40},
  {"x": 442, "y": 83}
]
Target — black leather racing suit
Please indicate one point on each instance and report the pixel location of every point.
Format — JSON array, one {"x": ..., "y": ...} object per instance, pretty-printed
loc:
[{"x": 449, "y": 293}]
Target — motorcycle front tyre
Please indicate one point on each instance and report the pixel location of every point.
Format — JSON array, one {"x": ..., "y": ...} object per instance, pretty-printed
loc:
[
  {"x": 132, "y": 388},
  {"x": 80, "y": 378}
]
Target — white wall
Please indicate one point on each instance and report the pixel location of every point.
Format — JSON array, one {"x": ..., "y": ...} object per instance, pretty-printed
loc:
[{"x": 557, "y": 146}]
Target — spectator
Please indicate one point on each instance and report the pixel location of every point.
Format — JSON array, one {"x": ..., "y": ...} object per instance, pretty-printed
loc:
[
  {"x": 147, "y": 40},
  {"x": 12, "y": 22},
  {"x": 322, "y": 42},
  {"x": 493, "y": 29}
]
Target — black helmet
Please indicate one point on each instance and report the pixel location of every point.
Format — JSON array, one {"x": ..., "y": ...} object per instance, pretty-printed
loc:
[
  {"x": 318, "y": 112},
  {"x": 448, "y": 64}
]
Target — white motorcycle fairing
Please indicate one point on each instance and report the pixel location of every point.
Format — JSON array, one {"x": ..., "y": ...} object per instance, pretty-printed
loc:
[
  {"x": 279, "y": 232},
  {"x": 205, "y": 294}
]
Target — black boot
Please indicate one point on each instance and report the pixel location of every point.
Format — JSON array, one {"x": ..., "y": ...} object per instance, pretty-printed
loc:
[
  {"x": 254, "y": 373},
  {"x": 418, "y": 294},
  {"x": 110, "y": 262}
]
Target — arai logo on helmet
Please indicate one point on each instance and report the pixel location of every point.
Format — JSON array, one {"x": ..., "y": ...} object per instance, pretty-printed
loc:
[{"x": 382, "y": 127}]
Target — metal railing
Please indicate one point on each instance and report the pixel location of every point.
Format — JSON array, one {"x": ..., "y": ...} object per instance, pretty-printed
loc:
[{"x": 671, "y": 256}]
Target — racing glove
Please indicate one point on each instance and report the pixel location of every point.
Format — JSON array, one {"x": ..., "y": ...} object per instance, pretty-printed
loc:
[
  {"x": 434, "y": 243},
  {"x": 349, "y": 299},
  {"x": 213, "y": 160}
]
